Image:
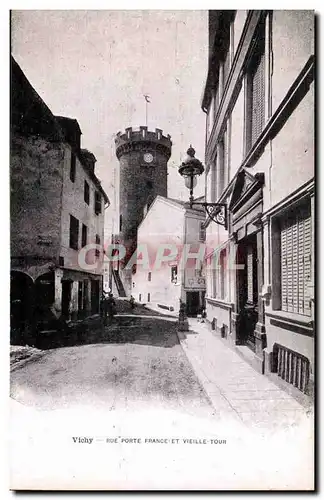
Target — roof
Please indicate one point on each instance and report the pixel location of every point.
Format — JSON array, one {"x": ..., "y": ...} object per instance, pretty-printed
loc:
[{"x": 29, "y": 113}]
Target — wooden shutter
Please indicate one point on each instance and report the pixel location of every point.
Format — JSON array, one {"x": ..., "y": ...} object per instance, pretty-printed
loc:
[
  {"x": 307, "y": 258},
  {"x": 222, "y": 259},
  {"x": 249, "y": 271},
  {"x": 296, "y": 261},
  {"x": 258, "y": 97}
]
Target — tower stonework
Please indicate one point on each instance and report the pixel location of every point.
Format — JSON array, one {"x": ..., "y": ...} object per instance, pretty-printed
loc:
[{"x": 143, "y": 156}]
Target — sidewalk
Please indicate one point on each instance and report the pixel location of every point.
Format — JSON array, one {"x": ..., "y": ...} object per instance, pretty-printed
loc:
[{"x": 234, "y": 387}]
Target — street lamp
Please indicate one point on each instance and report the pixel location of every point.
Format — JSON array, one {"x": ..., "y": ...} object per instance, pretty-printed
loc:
[{"x": 189, "y": 169}]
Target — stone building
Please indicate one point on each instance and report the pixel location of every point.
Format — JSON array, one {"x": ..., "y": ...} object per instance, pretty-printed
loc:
[
  {"x": 57, "y": 208},
  {"x": 259, "y": 105},
  {"x": 167, "y": 237},
  {"x": 143, "y": 156}
]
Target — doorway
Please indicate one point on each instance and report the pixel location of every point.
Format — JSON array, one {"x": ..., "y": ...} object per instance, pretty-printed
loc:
[
  {"x": 193, "y": 303},
  {"x": 247, "y": 280},
  {"x": 95, "y": 299},
  {"x": 66, "y": 298}
]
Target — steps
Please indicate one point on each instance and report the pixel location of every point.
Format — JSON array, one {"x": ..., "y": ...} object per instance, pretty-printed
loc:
[{"x": 118, "y": 283}]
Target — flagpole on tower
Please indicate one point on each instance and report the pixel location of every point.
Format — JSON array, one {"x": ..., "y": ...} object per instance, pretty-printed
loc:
[{"x": 146, "y": 97}]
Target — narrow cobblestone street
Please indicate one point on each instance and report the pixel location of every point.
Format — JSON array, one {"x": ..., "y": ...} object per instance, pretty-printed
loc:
[
  {"x": 170, "y": 403},
  {"x": 136, "y": 363}
]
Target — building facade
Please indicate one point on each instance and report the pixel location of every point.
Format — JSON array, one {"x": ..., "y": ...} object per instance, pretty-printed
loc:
[
  {"x": 169, "y": 235},
  {"x": 259, "y": 105},
  {"x": 143, "y": 156},
  {"x": 57, "y": 209}
]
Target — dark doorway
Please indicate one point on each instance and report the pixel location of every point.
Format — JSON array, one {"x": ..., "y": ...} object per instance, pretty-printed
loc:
[
  {"x": 95, "y": 298},
  {"x": 21, "y": 304},
  {"x": 45, "y": 290},
  {"x": 193, "y": 303},
  {"x": 80, "y": 299},
  {"x": 66, "y": 298},
  {"x": 85, "y": 296},
  {"x": 247, "y": 281}
]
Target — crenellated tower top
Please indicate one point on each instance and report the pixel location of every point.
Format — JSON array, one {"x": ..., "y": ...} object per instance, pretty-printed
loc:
[{"x": 143, "y": 139}]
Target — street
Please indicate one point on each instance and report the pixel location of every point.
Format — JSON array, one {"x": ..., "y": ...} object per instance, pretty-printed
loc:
[
  {"x": 129, "y": 400},
  {"x": 134, "y": 364}
]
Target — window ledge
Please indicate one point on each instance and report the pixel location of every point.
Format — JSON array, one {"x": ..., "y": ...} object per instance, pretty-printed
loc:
[
  {"x": 219, "y": 302},
  {"x": 297, "y": 319}
]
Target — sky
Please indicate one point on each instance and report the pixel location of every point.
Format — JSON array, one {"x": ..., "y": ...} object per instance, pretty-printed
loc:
[{"x": 96, "y": 65}]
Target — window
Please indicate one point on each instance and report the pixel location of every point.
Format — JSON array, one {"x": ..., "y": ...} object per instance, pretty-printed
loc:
[
  {"x": 295, "y": 260},
  {"x": 86, "y": 193},
  {"x": 97, "y": 203},
  {"x": 84, "y": 235},
  {"x": 72, "y": 167},
  {"x": 255, "y": 91},
  {"x": 202, "y": 232},
  {"x": 97, "y": 252},
  {"x": 221, "y": 166},
  {"x": 120, "y": 222},
  {"x": 214, "y": 278},
  {"x": 174, "y": 274},
  {"x": 148, "y": 297},
  {"x": 222, "y": 274},
  {"x": 74, "y": 233},
  {"x": 149, "y": 276}
]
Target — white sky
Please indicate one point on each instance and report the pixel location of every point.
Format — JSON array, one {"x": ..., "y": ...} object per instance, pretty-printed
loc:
[{"x": 95, "y": 66}]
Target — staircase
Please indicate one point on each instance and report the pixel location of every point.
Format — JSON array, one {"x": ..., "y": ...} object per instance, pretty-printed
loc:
[{"x": 119, "y": 283}]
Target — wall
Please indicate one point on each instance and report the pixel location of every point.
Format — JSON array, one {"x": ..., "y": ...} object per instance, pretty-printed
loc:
[
  {"x": 73, "y": 203},
  {"x": 293, "y": 151},
  {"x": 191, "y": 237},
  {"x": 237, "y": 133},
  {"x": 293, "y": 43},
  {"x": 36, "y": 175},
  {"x": 134, "y": 190}
]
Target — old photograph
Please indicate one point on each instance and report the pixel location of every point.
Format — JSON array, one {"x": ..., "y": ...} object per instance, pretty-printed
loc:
[{"x": 162, "y": 228}]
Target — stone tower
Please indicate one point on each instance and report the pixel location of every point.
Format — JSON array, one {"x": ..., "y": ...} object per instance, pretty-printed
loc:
[{"x": 143, "y": 158}]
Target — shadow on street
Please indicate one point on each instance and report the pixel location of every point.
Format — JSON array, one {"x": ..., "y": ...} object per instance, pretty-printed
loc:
[{"x": 157, "y": 331}]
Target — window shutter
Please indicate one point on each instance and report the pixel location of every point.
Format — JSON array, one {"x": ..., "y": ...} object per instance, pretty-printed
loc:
[
  {"x": 258, "y": 99},
  {"x": 296, "y": 261},
  {"x": 307, "y": 263},
  {"x": 284, "y": 270}
]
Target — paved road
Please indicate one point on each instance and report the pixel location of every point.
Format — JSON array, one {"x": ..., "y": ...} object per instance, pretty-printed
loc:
[{"x": 136, "y": 364}]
